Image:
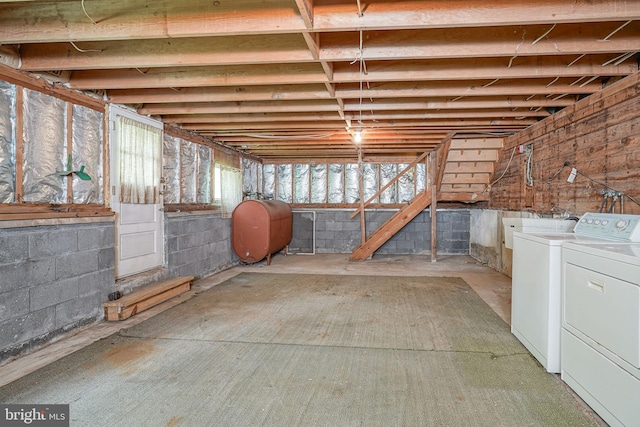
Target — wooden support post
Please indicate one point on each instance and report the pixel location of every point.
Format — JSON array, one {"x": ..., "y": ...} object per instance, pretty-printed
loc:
[
  {"x": 19, "y": 143},
  {"x": 434, "y": 228},
  {"x": 361, "y": 185},
  {"x": 106, "y": 158},
  {"x": 69, "y": 178},
  {"x": 433, "y": 209}
]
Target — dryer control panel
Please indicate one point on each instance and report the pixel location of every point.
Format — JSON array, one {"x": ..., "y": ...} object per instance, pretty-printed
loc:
[{"x": 610, "y": 226}]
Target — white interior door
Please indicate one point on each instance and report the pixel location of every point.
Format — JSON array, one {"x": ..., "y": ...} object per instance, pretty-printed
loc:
[{"x": 139, "y": 226}]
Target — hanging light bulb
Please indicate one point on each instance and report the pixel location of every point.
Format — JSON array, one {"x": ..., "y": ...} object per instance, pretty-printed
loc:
[{"x": 357, "y": 136}]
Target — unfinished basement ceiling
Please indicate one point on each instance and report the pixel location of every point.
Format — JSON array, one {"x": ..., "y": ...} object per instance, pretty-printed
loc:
[{"x": 294, "y": 80}]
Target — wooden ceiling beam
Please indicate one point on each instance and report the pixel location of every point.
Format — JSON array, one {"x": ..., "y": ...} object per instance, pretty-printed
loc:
[
  {"x": 365, "y": 118},
  {"x": 251, "y": 127},
  {"x": 121, "y": 19},
  {"x": 274, "y": 74},
  {"x": 239, "y": 107},
  {"x": 218, "y": 94},
  {"x": 464, "y": 103},
  {"x": 336, "y": 139},
  {"x": 388, "y": 115},
  {"x": 450, "y": 89},
  {"x": 489, "y": 68},
  {"x": 155, "y": 53},
  {"x": 570, "y": 39},
  {"x": 455, "y": 114},
  {"x": 442, "y": 124},
  {"x": 447, "y": 14},
  {"x": 273, "y": 144},
  {"x": 34, "y": 22},
  {"x": 432, "y": 44},
  {"x": 250, "y": 118},
  {"x": 468, "y": 88}
]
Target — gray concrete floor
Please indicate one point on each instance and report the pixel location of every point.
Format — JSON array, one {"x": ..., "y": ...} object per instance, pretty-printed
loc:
[{"x": 493, "y": 287}]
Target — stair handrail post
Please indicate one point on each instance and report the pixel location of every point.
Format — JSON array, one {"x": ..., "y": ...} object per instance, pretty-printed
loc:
[
  {"x": 363, "y": 231},
  {"x": 387, "y": 185}
]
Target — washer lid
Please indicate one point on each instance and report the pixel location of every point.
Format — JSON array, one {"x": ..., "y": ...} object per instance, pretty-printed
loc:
[
  {"x": 628, "y": 253},
  {"x": 556, "y": 239}
]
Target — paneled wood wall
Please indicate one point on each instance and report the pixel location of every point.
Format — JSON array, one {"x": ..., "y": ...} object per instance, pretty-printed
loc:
[{"x": 599, "y": 135}]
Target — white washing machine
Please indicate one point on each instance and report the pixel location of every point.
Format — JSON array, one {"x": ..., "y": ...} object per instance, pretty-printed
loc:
[
  {"x": 600, "y": 338},
  {"x": 536, "y": 292},
  {"x": 537, "y": 280}
]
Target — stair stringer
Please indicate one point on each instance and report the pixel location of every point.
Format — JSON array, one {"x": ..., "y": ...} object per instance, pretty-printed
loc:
[{"x": 390, "y": 227}]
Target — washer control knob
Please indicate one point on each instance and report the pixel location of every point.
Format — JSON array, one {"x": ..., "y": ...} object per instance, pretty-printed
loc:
[{"x": 622, "y": 224}]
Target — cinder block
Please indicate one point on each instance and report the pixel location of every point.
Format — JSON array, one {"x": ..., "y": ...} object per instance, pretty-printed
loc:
[
  {"x": 334, "y": 226},
  {"x": 422, "y": 227},
  {"x": 188, "y": 269},
  {"x": 50, "y": 294},
  {"x": 20, "y": 329},
  {"x": 211, "y": 235},
  {"x": 52, "y": 243},
  {"x": 27, "y": 273},
  {"x": 217, "y": 234},
  {"x": 76, "y": 264},
  {"x": 13, "y": 247},
  {"x": 99, "y": 282},
  {"x": 190, "y": 241},
  {"x": 320, "y": 244},
  {"x": 390, "y": 247},
  {"x": 405, "y": 245},
  {"x": 175, "y": 227},
  {"x": 14, "y": 304},
  {"x": 78, "y": 309},
  {"x": 458, "y": 235},
  {"x": 172, "y": 245},
  {"x": 352, "y": 225},
  {"x": 325, "y": 235},
  {"x": 89, "y": 238},
  {"x": 106, "y": 258},
  {"x": 225, "y": 231},
  {"x": 183, "y": 257},
  {"x": 190, "y": 226},
  {"x": 96, "y": 236}
]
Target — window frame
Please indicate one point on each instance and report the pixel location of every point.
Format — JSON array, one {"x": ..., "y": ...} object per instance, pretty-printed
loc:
[{"x": 19, "y": 210}]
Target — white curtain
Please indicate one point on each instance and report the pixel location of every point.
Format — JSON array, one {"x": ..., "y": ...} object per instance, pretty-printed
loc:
[
  {"x": 140, "y": 161},
  {"x": 230, "y": 189}
]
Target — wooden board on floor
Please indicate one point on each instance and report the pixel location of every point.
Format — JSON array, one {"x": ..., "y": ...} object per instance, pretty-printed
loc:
[{"x": 145, "y": 298}]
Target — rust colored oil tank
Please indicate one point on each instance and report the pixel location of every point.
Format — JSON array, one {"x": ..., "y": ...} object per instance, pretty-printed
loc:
[{"x": 260, "y": 228}]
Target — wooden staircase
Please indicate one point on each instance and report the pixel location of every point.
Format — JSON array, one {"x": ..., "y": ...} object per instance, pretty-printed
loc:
[
  {"x": 461, "y": 171},
  {"x": 391, "y": 226}
]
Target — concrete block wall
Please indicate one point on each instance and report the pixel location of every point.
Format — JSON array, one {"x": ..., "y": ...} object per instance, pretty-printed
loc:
[
  {"x": 337, "y": 233},
  {"x": 198, "y": 244},
  {"x": 52, "y": 279}
]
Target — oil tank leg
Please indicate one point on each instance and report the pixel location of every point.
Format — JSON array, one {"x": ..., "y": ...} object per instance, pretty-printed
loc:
[
  {"x": 286, "y": 250},
  {"x": 269, "y": 259}
]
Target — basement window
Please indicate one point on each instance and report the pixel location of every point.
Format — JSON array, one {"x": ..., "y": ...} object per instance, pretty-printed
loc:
[
  {"x": 197, "y": 176},
  {"x": 51, "y": 156},
  {"x": 251, "y": 179},
  {"x": 335, "y": 185},
  {"x": 187, "y": 174}
]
